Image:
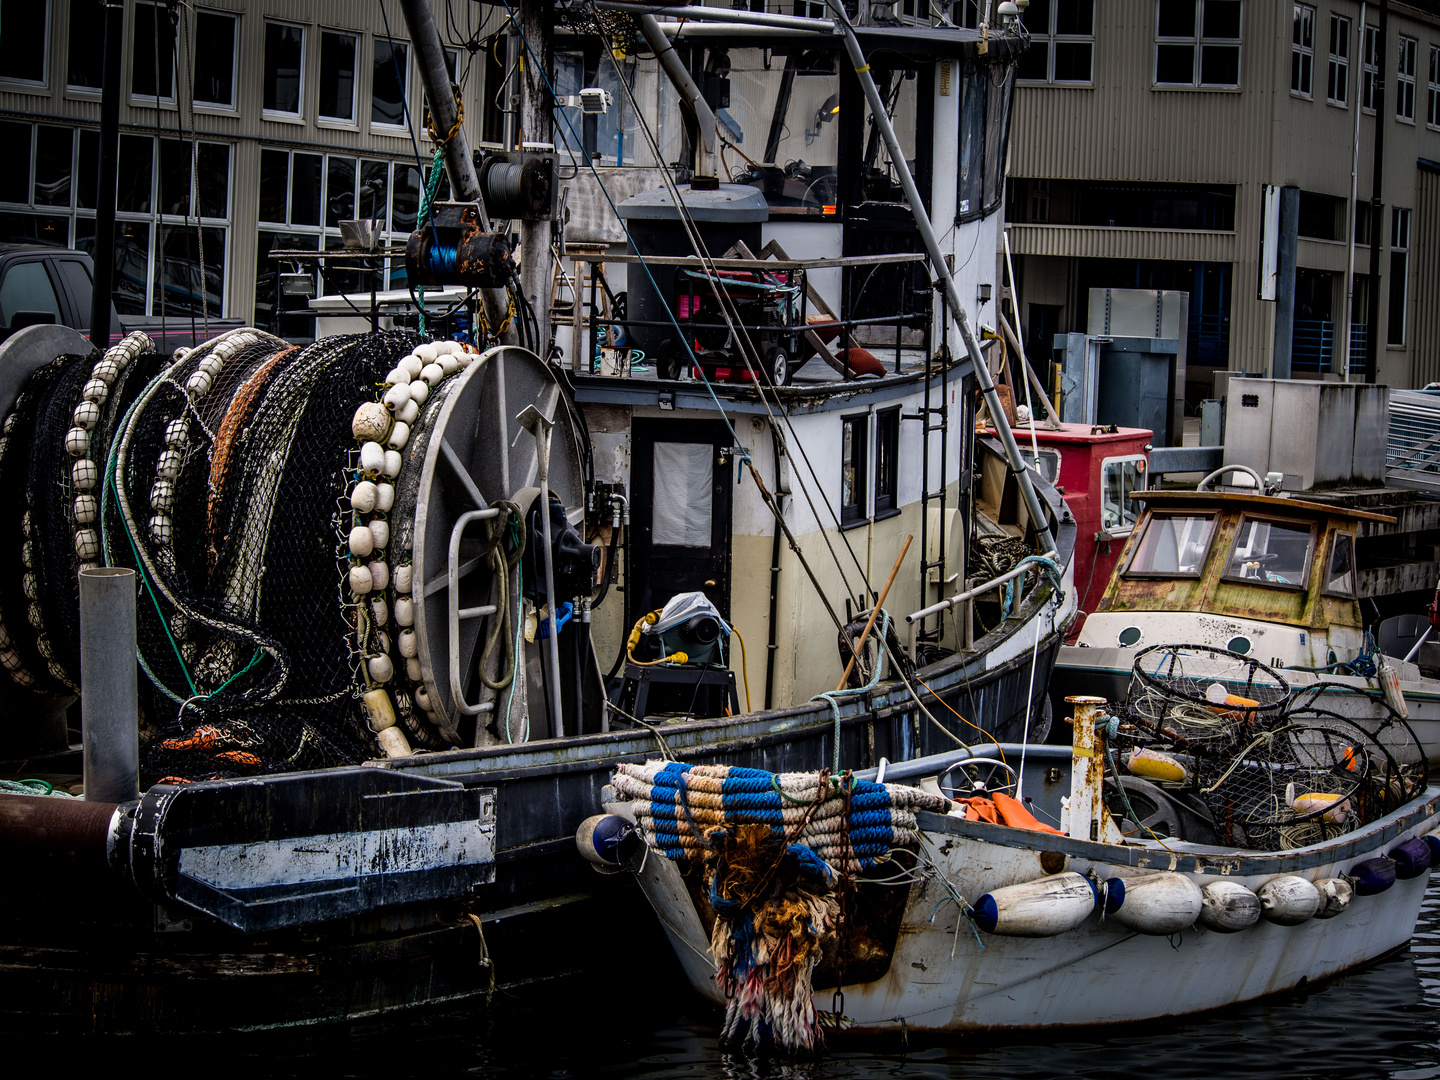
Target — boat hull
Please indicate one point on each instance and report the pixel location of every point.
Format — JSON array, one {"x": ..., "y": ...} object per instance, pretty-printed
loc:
[{"x": 941, "y": 979}]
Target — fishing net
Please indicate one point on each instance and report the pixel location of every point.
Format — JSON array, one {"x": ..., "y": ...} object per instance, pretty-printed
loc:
[{"x": 1273, "y": 769}]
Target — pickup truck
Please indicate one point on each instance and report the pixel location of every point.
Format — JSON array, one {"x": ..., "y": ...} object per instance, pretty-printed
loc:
[{"x": 53, "y": 285}]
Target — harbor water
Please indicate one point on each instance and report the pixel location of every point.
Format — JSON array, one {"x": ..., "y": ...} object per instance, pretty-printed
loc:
[{"x": 638, "y": 1022}]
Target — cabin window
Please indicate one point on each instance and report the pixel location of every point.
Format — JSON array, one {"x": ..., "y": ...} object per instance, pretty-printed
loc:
[
  {"x": 1271, "y": 553},
  {"x": 854, "y": 439},
  {"x": 684, "y": 494},
  {"x": 1118, "y": 478},
  {"x": 337, "y": 77},
  {"x": 984, "y": 131},
  {"x": 1340, "y": 576},
  {"x": 284, "y": 68},
  {"x": 1173, "y": 545},
  {"x": 887, "y": 446}
]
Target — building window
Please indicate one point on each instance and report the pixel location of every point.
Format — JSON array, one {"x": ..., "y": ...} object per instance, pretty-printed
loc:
[
  {"x": 1062, "y": 42},
  {"x": 387, "y": 99},
  {"x": 303, "y": 199},
  {"x": 1197, "y": 43},
  {"x": 215, "y": 59},
  {"x": 284, "y": 68},
  {"x": 86, "y": 48},
  {"x": 1337, "y": 83},
  {"x": 1405, "y": 79},
  {"x": 1370, "y": 68},
  {"x": 1432, "y": 105},
  {"x": 854, "y": 440},
  {"x": 1040, "y": 201},
  {"x": 24, "y": 41},
  {"x": 152, "y": 53},
  {"x": 1302, "y": 50},
  {"x": 887, "y": 449},
  {"x": 1399, "y": 260},
  {"x": 337, "y": 76}
]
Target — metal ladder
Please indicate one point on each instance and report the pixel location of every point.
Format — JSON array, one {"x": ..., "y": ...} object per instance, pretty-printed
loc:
[{"x": 934, "y": 418}]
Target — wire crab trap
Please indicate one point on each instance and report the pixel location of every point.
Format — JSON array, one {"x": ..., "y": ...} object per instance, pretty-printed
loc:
[{"x": 1202, "y": 699}]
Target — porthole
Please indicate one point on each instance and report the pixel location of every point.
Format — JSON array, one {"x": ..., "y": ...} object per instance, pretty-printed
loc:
[
  {"x": 1240, "y": 644},
  {"x": 1130, "y": 637}
]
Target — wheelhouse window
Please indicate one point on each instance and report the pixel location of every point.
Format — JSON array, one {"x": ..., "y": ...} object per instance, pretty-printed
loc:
[
  {"x": 1118, "y": 478},
  {"x": 284, "y": 68},
  {"x": 1172, "y": 545},
  {"x": 1062, "y": 42},
  {"x": 887, "y": 447},
  {"x": 24, "y": 41},
  {"x": 215, "y": 59},
  {"x": 1340, "y": 575},
  {"x": 1271, "y": 553},
  {"x": 984, "y": 132},
  {"x": 1197, "y": 43},
  {"x": 854, "y": 439}
]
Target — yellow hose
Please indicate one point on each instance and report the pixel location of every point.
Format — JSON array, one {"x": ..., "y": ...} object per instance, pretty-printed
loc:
[
  {"x": 744, "y": 667},
  {"x": 649, "y": 619}
]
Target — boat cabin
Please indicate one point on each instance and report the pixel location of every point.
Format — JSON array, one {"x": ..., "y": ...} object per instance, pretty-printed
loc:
[{"x": 1258, "y": 575}]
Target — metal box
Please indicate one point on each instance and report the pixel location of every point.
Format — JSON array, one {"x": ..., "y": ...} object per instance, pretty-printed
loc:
[
  {"x": 1249, "y": 405},
  {"x": 1312, "y": 433},
  {"x": 1372, "y": 429},
  {"x": 1212, "y": 422}
]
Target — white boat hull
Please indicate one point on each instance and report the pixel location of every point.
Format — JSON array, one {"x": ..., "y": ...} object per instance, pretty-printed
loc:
[{"x": 941, "y": 979}]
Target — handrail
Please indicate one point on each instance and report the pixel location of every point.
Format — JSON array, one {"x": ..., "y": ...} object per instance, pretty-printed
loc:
[{"x": 979, "y": 590}]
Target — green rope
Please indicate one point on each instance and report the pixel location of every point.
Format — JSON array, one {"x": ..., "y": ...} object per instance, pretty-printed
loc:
[
  {"x": 436, "y": 172},
  {"x": 31, "y": 787}
]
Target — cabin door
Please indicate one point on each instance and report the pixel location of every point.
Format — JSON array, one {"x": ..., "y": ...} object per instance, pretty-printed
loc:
[{"x": 681, "y": 480}]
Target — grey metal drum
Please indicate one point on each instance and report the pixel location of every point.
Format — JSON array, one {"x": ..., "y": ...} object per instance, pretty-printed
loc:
[{"x": 480, "y": 453}]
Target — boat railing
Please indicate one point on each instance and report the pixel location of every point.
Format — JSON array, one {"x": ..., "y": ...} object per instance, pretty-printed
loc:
[{"x": 913, "y": 619}]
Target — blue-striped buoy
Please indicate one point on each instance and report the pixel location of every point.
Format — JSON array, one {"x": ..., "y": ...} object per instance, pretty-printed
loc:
[
  {"x": 1412, "y": 858},
  {"x": 1043, "y": 908},
  {"x": 1373, "y": 876}
]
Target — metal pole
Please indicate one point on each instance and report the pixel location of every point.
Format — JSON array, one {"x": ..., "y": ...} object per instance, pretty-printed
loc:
[
  {"x": 104, "y": 253},
  {"x": 723, "y": 15},
  {"x": 952, "y": 291},
  {"x": 540, "y": 428},
  {"x": 109, "y": 708},
  {"x": 690, "y": 94},
  {"x": 430, "y": 57},
  {"x": 1344, "y": 356},
  {"x": 1284, "y": 344},
  {"x": 1377, "y": 199},
  {"x": 1087, "y": 772},
  {"x": 537, "y": 21}
]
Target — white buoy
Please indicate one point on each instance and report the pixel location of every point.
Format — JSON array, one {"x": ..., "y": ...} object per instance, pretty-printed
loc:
[
  {"x": 392, "y": 740},
  {"x": 162, "y": 495},
  {"x": 396, "y": 398},
  {"x": 380, "y": 610},
  {"x": 361, "y": 581},
  {"x": 362, "y": 497},
  {"x": 399, "y": 435},
  {"x": 87, "y": 415},
  {"x": 402, "y": 577},
  {"x": 362, "y": 541},
  {"x": 398, "y": 377},
  {"x": 432, "y": 375},
  {"x": 448, "y": 364},
  {"x": 84, "y": 474},
  {"x": 87, "y": 508},
  {"x": 380, "y": 575},
  {"x": 427, "y": 352},
  {"x": 95, "y": 390},
  {"x": 177, "y": 434},
  {"x": 409, "y": 646},
  {"x": 198, "y": 385},
  {"x": 379, "y": 534},
  {"x": 381, "y": 668},
  {"x": 1335, "y": 896},
  {"x": 384, "y": 497},
  {"x": 404, "y": 611},
  {"x": 1160, "y": 904},
  {"x": 77, "y": 442},
  {"x": 392, "y": 464},
  {"x": 371, "y": 422},
  {"x": 372, "y": 457},
  {"x": 408, "y": 413},
  {"x": 1288, "y": 900},
  {"x": 1228, "y": 906},
  {"x": 412, "y": 365},
  {"x": 168, "y": 467},
  {"x": 1044, "y": 908},
  {"x": 413, "y": 669}
]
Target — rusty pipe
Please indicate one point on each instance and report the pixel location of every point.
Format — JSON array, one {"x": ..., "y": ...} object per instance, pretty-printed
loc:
[{"x": 43, "y": 822}]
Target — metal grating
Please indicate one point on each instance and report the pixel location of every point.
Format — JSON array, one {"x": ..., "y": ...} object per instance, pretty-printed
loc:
[{"x": 1412, "y": 452}]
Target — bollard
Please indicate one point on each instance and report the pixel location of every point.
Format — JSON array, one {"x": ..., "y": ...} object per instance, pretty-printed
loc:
[
  {"x": 1087, "y": 770},
  {"x": 109, "y": 710}
]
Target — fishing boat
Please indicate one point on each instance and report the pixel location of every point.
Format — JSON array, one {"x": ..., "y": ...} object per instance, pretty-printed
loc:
[
  {"x": 1198, "y": 858},
  {"x": 365, "y": 580}
]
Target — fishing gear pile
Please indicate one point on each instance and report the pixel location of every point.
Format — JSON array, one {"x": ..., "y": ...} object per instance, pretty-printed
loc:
[
  {"x": 1270, "y": 769},
  {"x": 776, "y": 852},
  {"x": 265, "y": 495}
]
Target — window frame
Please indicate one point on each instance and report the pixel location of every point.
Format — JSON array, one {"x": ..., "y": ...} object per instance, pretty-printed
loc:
[
  {"x": 887, "y": 488},
  {"x": 1301, "y": 586},
  {"x": 1338, "y": 62},
  {"x": 1302, "y": 52},
  {"x": 400, "y": 130},
  {"x": 353, "y": 123},
  {"x": 1121, "y": 460},
  {"x": 1137, "y": 541},
  {"x": 298, "y": 116},
  {"x": 1370, "y": 46},
  {"x": 211, "y": 106},
  {"x": 22, "y": 85},
  {"x": 1198, "y": 41},
  {"x": 1405, "y": 80},
  {"x": 150, "y": 101},
  {"x": 1399, "y": 247},
  {"x": 1432, "y": 104},
  {"x": 1051, "y": 37},
  {"x": 1325, "y": 589},
  {"x": 858, "y": 512},
  {"x": 76, "y": 89}
]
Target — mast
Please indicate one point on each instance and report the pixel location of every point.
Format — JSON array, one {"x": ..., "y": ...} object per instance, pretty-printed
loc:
[
  {"x": 429, "y": 53},
  {"x": 104, "y": 254},
  {"x": 536, "y": 19}
]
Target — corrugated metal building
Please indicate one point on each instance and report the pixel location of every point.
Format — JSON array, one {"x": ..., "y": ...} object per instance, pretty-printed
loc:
[
  {"x": 1145, "y": 132},
  {"x": 243, "y": 126}
]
